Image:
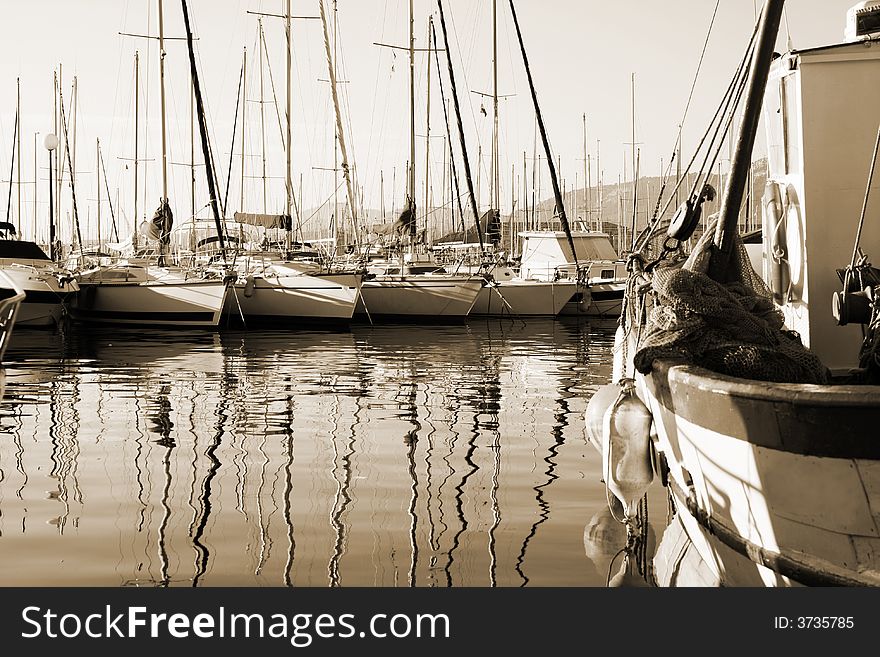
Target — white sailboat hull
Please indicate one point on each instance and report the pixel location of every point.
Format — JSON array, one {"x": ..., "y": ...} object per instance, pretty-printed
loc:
[
  {"x": 46, "y": 295},
  {"x": 524, "y": 298},
  {"x": 601, "y": 300},
  {"x": 425, "y": 296},
  {"x": 196, "y": 303},
  {"x": 330, "y": 297}
]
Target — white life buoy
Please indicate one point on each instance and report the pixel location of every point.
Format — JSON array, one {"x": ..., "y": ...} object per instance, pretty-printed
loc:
[{"x": 779, "y": 275}]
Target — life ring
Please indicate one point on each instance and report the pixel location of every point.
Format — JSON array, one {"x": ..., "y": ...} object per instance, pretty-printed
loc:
[{"x": 779, "y": 274}]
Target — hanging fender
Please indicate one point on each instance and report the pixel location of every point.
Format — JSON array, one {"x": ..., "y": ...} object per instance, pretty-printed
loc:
[
  {"x": 779, "y": 274},
  {"x": 627, "y": 465},
  {"x": 594, "y": 416}
]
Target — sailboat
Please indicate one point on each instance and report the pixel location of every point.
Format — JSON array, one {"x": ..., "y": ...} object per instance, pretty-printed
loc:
[
  {"x": 285, "y": 285},
  {"x": 47, "y": 285},
  {"x": 506, "y": 292},
  {"x": 756, "y": 406},
  {"x": 409, "y": 284},
  {"x": 138, "y": 290}
]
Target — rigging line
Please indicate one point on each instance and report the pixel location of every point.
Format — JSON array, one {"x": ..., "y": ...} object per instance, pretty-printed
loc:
[
  {"x": 467, "y": 166},
  {"x": 203, "y": 132},
  {"x": 446, "y": 120},
  {"x": 722, "y": 110},
  {"x": 11, "y": 170},
  {"x": 109, "y": 198},
  {"x": 70, "y": 164},
  {"x": 563, "y": 219},
  {"x": 699, "y": 67},
  {"x": 717, "y": 117},
  {"x": 865, "y": 203},
  {"x": 232, "y": 148}
]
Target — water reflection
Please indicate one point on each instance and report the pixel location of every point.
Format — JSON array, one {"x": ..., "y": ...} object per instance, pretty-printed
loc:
[{"x": 373, "y": 456}]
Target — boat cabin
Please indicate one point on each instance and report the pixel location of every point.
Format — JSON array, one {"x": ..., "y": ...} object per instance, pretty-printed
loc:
[
  {"x": 821, "y": 114},
  {"x": 546, "y": 255}
]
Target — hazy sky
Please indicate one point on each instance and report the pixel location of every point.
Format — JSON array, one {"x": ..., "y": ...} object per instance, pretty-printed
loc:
[{"x": 583, "y": 56}]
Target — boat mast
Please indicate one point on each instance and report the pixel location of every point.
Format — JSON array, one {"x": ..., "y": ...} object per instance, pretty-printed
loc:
[
  {"x": 203, "y": 132},
  {"x": 496, "y": 175},
  {"x": 428, "y": 127},
  {"x": 11, "y": 170},
  {"x": 263, "y": 115},
  {"x": 560, "y": 204},
  {"x": 18, "y": 142},
  {"x": 464, "y": 153},
  {"x": 411, "y": 187},
  {"x": 346, "y": 172},
  {"x": 289, "y": 138},
  {"x": 98, "y": 181},
  {"x": 162, "y": 103},
  {"x": 134, "y": 228},
  {"x": 588, "y": 209},
  {"x": 243, "y": 121},
  {"x": 733, "y": 194}
]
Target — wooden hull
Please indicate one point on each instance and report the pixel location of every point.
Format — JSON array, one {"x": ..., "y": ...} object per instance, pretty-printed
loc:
[
  {"x": 524, "y": 298},
  {"x": 776, "y": 484},
  {"x": 420, "y": 296},
  {"x": 331, "y": 297}
]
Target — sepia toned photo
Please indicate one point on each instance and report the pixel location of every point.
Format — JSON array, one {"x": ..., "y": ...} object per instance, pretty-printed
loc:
[{"x": 439, "y": 294}]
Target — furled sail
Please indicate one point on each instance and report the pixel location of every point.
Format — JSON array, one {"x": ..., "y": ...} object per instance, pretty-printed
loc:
[
  {"x": 490, "y": 226},
  {"x": 282, "y": 221},
  {"x": 159, "y": 227}
]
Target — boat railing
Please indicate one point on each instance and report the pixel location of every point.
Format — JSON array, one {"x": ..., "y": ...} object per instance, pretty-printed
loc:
[{"x": 8, "y": 310}]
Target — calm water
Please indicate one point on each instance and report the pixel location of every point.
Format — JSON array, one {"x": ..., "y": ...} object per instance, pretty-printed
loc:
[{"x": 375, "y": 456}]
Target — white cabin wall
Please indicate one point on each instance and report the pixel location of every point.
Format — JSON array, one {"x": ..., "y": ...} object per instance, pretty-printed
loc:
[{"x": 840, "y": 98}]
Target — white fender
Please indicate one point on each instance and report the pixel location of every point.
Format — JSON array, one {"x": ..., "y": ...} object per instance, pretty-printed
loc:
[
  {"x": 626, "y": 447},
  {"x": 594, "y": 416}
]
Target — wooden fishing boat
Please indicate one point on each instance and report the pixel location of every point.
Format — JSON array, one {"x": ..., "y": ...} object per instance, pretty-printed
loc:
[{"x": 774, "y": 475}]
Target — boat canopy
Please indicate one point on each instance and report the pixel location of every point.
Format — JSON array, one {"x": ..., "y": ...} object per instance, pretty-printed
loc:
[{"x": 282, "y": 221}]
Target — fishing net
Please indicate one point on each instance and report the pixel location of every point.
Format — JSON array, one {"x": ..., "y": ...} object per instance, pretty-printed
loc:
[{"x": 732, "y": 328}]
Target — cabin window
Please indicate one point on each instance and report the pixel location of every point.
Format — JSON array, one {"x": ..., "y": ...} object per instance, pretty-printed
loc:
[
  {"x": 607, "y": 273},
  {"x": 868, "y": 22}
]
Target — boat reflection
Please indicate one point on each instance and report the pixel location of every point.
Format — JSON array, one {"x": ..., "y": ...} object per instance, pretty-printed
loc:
[{"x": 370, "y": 456}]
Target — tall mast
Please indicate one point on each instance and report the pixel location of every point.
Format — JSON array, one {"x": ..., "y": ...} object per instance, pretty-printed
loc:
[
  {"x": 18, "y": 142},
  {"x": 599, "y": 183},
  {"x": 464, "y": 152},
  {"x": 428, "y": 125},
  {"x": 263, "y": 105},
  {"x": 36, "y": 186},
  {"x": 243, "y": 121},
  {"x": 412, "y": 115},
  {"x": 11, "y": 171},
  {"x": 203, "y": 132},
  {"x": 346, "y": 169},
  {"x": 98, "y": 180},
  {"x": 192, "y": 161},
  {"x": 496, "y": 175},
  {"x": 587, "y": 181},
  {"x": 134, "y": 228},
  {"x": 560, "y": 203},
  {"x": 739, "y": 170},
  {"x": 162, "y": 102},
  {"x": 289, "y": 182}
]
